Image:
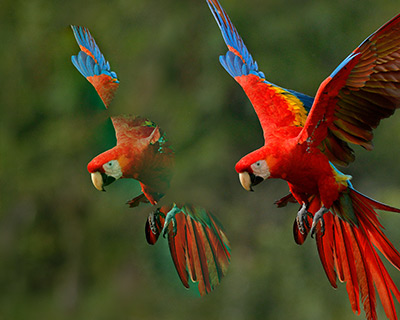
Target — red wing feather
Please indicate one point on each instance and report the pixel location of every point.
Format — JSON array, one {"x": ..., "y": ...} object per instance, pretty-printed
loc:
[{"x": 362, "y": 91}]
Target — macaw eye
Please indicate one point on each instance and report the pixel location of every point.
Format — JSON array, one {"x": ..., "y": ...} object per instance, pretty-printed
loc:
[
  {"x": 260, "y": 168},
  {"x": 112, "y": 168}
]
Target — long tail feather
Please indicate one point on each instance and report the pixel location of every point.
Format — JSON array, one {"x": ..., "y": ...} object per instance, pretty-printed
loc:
[
  {"x": 348, "y": 250},
  {"x": 199, "y": 248}
]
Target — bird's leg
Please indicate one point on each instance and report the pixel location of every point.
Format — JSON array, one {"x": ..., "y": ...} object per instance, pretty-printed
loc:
[
  {"x": 318, "y": 217},
  {"x": 170, "y": 217},
  {"x": 301, "y": 218}
]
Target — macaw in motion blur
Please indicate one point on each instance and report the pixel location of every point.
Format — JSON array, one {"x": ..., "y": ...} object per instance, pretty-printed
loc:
[
  {"x": 305, "y": 137},
  {"x": 198, "y": 245},
  {"x": 142, "y": 151}
]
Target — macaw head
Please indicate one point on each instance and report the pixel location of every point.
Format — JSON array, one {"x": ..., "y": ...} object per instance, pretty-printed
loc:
[
  {"x": 142, "y": 153},
  {"x": 106, "y": 168},
  {"x": 253, "y": 169}
]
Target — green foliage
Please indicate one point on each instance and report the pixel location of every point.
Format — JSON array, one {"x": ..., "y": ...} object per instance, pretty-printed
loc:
[{"x": 70, "y": 252}]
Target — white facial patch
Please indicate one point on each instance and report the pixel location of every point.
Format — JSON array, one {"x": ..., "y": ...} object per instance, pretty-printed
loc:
[
  {"x": 113, "y": 169},
  {"x": 261, "y": 169}
]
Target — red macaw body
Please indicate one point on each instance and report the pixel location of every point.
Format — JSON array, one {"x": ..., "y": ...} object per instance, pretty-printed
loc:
[{"x": 305, "y": 137}]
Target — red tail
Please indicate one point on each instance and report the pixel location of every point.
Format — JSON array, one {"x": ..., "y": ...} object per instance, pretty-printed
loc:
[{"x": 348, "y": 251}]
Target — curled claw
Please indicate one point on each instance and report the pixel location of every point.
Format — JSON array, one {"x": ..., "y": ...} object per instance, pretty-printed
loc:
[
  {"x": 301, "y": 218},
  {"x": 154, "y": 220},
  {"x": 170, "y": 218},
  {"x": 318, "y": 217}
]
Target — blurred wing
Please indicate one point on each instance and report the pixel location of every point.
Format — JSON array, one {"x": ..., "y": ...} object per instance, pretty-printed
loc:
[
  {"x": 199, "y": 248},
  {"x": 153, "y": 156},
  {"x": 135, "y": 130},
  {"x": 363, "y": 89},
  {"x": 91, "y": 64},
  {"x": 274, "y": 105}
]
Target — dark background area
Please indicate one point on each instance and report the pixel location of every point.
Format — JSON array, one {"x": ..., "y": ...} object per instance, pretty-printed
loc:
[{"x": 68, "y": 251}]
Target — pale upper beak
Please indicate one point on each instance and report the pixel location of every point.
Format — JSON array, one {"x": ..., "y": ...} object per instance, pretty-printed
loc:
[
  {"x": 245, "y": 180},
  {"x": 100, "y": 180},
  {"x": 97, "y": 180}
]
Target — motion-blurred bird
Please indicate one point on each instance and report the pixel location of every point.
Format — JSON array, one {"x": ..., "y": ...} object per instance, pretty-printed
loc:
[
  {"x": 142, "y": 151},
  {"x": 198, "y": 245},
  {"x": 199, "y": 248},
  {"x": 305, "y": 137}
]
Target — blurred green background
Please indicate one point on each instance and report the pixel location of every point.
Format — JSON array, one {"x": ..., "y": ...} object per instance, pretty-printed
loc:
[{"x": 68, "y": 251}]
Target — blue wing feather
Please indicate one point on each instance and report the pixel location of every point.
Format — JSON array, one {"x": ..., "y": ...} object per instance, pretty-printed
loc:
[
  {"x": 91, "y": 62},
  {"x": 245, "y": 64},
  {"x": 305, "y": 99},
  {"x": 239, "y": 63}
]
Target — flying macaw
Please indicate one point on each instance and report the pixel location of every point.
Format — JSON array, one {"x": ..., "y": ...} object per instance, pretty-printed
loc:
[
  {"x": 197, "y": 243},
  {"x": 142, "y": 151},
  {"x": 305, "y": 137}
]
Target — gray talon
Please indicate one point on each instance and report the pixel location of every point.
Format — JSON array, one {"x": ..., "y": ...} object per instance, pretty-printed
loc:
[
  {"x": 170, "y": 217},
  {"x": 301, "y": 218},
  {"x": 318, "y": 217}
]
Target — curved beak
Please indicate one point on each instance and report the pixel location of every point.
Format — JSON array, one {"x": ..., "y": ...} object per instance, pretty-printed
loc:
[
  {"x": 248, "y": 180},
  {"x": 101, "y": 179},
  {"x": 97, "y": 181}
]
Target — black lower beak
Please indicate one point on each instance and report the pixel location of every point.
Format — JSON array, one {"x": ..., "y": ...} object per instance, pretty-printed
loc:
[
  {"x": 107, "y": 179},
  {"x": 255, "y": 180}
]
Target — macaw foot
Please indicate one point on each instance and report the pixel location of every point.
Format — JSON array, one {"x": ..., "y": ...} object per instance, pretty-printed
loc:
[
  {"x": 170, "y": 217},
  {"x": 318, "y": 217},
  {"x": 154, "y": 221},
  {"x": 301, "y": 218}
]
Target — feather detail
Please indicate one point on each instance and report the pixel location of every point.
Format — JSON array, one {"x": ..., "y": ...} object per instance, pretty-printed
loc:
[
  {"x": 347, "y": 250},
  {"x": 91, "y": 64},
  {"x": 198, "y": 246},
  {"x": 325, "y": 246},
  {"x": 275, "y": 106},
  {"x": 363, "y": 89}
]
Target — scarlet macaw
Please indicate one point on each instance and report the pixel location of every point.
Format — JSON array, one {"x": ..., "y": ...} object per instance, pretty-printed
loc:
[
  {"x": 198, "y": 245},
  {"x": 305, "y": 137},
  {"x": 142, "y": 151}
]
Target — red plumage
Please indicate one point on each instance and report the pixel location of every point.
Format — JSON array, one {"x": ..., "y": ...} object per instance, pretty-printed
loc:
[
  {"x": 301, "y": 150},
  {"x": 142, "y": 153},
  {"x": 199, "y": 247}
]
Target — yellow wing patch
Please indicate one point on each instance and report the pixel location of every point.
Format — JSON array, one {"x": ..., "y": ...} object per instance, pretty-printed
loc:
[
  {"x": 342, "y": 179},
  {"x": 294, "y": 105}
]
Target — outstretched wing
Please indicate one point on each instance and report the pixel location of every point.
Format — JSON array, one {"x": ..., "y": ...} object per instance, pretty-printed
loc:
[
  {"x": 274, "y": 105},
  {"x": 91, "y": 64},
  {"x": 363, "y": 89},
  {"x": 199, "y": 248}
]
